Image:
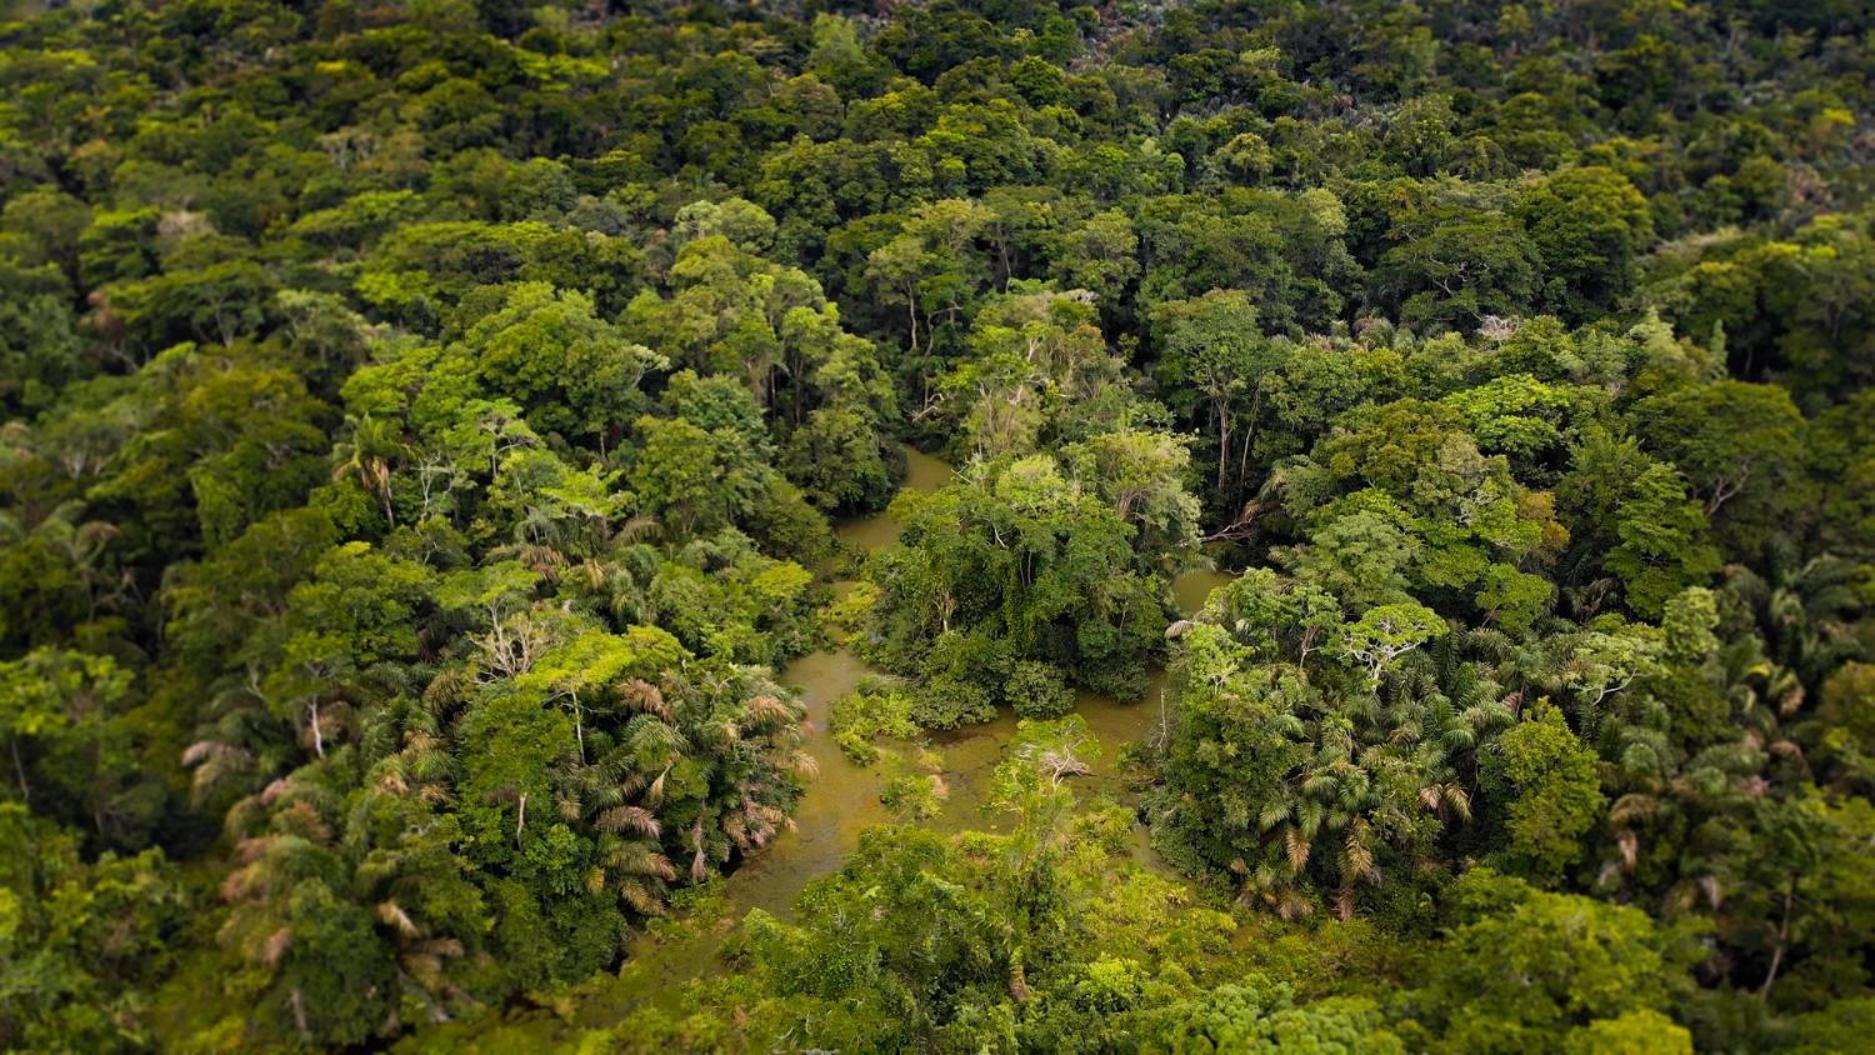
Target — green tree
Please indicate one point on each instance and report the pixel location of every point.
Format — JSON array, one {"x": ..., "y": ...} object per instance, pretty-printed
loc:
[
  {"x": 1591, "y": 226},
  {"x": 1547, "y": 781},
  {"x": 1738, "y": 445},
  {"x": 1529, "y": 971}
]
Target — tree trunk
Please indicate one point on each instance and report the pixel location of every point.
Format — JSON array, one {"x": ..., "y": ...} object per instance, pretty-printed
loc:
[
  {"x": 1250, "y": 430},
  {"x": 1783, "y": 941},
  {"x": 19, "y": 768},
  {"x": 579, "y": 730},
  {"x": 1223, "y": 443},
  {"x": 911, "y": 312}
]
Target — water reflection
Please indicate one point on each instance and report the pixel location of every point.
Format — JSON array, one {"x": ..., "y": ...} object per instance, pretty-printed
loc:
[
  {"x": 843, "y": 800},
  {"x": 1191, "y": 587},
  {"x": 923, "y": 474}
]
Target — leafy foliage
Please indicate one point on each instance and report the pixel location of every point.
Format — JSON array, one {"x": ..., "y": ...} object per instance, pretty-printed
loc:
[{"x": 422, "y": 423}]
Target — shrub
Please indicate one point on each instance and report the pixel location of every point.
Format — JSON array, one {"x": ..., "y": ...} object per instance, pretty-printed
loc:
[{"x": 1037, "y": 690}]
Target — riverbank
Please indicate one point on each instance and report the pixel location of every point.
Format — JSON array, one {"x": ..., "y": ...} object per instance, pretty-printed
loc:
[{"x": 841, "y": 802}]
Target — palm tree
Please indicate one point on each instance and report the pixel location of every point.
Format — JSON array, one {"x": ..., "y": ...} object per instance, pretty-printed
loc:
[
  {"x": 366, "y": 457},
  {"x": 421, "y": 959},
  {"x": 1805, "y": 611},
  {"x": 80, "y": 542},
  {"x": 637, "y": 869}
]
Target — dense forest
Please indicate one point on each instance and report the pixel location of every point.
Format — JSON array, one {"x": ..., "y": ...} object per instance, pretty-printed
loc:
[{"x": 439, "y": 438}]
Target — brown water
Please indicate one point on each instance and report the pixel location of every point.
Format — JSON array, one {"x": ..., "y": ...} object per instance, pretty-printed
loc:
[
  {"x": 843, "y": 800},
  {"x": 1191, "y": 587},
  {"x": 839, "y": 804},
  {"x": 923, "y": 474},
  {"x": 971, "y": 754}
]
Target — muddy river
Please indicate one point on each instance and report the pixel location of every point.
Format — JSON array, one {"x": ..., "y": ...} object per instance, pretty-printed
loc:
[
  {"x": 840, "y": 803},
  {"x": 844, "y": 799}
]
